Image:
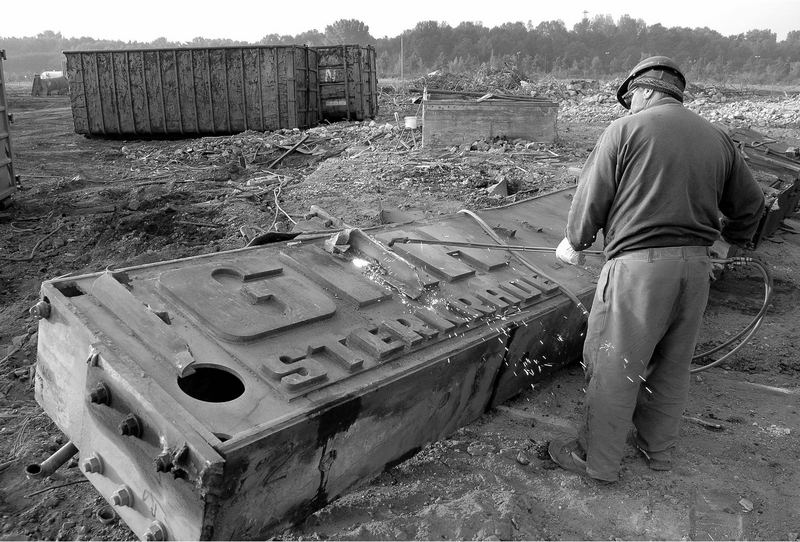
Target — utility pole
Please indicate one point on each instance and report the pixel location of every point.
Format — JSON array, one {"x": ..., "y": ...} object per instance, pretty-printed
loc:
[{"x": 401, "y": 59}]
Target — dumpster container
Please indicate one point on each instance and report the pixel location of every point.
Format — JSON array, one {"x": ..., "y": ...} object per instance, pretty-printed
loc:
[
  {"x": 7, "y": 178},
  {"x": 348, "y": 82},
  {"x": 192, "y": 91}
]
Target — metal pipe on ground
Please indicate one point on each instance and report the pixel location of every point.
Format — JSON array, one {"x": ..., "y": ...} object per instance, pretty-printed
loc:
[
  {"x": 517, "y": 248},
  {"x": 52, "y": 463}
]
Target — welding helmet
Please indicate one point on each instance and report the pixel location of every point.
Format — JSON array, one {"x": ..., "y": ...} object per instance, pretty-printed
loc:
[{"x": 658, "y": 72}]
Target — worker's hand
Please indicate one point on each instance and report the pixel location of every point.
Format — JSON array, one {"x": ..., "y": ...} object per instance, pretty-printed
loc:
[
  {"x": 719, "y": 251},
  {"x": 569, "y": 255}
]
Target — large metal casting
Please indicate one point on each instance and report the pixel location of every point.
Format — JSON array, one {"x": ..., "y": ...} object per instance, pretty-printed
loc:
[{"x": 228, "y": 395}]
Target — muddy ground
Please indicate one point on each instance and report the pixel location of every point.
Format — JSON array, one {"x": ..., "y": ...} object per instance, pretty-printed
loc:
[{"x": 88, "y": 204}]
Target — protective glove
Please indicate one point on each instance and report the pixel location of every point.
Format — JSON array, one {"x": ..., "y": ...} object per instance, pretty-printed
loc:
[
  {"x": 569, "y": 255},
  {"x": 720, "y": 250}
]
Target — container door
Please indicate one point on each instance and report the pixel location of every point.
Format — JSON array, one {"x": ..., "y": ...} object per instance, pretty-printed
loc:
[{"x": 7, "y": 179}]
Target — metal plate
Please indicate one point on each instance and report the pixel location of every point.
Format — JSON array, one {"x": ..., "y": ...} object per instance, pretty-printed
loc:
[{"x": 287, "y": 370}]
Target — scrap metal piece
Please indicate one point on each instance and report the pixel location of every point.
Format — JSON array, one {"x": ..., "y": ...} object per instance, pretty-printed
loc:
[
  {"x": 312, "y": 372},
  {"x": 776, "y": 167},
  {"x": 52, "y": 463}
]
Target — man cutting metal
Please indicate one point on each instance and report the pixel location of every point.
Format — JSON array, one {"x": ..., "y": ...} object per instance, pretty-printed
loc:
[{"x": 656, "y": 183}]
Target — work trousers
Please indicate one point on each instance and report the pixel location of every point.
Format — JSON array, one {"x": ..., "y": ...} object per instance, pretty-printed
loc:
[{"x": 640, "y": 340}]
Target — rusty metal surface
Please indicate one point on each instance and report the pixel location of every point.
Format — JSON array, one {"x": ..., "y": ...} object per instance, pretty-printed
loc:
[
  {"x": 348, "y": 82},
  {"x": 7, "y": 177},
  {"x": 190, "y": 91},
  {"x": 228, "y": 395}
]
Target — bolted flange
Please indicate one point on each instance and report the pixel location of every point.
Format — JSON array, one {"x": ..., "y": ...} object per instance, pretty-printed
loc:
[
  {"x": 100, "y": 395},
  {"x": 156, "y": 531},
  {"x": 41, "y": 310},
  {"x": 93, "y": 464},
  {"x": 130, "y": 426},
  {"x": 123, "y": 496}
]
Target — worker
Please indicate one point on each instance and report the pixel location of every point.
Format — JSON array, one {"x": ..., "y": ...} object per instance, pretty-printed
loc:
[{"x": 656, "y": 183}]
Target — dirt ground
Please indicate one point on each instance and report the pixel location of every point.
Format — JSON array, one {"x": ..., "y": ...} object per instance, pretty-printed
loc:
[{"x": 88, "y": 204}]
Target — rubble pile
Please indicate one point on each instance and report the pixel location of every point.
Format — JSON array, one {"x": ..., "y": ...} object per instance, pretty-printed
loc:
[
  {"x": 507, "y": 80},
  {"x": 588, "y": 101},
  {"x": 771, "y": 111},
  {"x": 584, "y": 100},
  {"x": 237, "y": 154},
  {"x": 261, "y": 168}
]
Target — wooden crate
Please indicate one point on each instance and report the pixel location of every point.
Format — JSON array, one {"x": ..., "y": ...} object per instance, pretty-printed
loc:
[
  {"x": 453, "y": 122},
  {"x": 193, "y": 91}
]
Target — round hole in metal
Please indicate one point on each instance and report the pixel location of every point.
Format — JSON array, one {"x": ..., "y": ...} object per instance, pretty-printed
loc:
[{"x": 212, "y": 385}]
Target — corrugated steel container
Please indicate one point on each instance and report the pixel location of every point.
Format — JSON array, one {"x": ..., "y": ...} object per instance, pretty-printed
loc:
[
  {"x": 348, "y": 82},
  {"x": 7, "y": 178},
  {"x": 188, "y": 91}
]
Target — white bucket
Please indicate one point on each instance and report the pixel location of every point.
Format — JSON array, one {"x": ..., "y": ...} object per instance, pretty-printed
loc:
[{"x": 411, "y": 122}]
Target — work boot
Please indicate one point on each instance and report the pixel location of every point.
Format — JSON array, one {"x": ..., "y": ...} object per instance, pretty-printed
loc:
[
  {"x": 568, "y": 454},
  {"x": 660, "y": 461}
]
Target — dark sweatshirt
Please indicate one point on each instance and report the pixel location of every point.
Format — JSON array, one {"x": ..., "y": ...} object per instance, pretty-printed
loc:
[{"x": 661, "y": 177}]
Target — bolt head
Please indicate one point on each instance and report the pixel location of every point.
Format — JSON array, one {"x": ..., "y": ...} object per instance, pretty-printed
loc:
[
  {"x": 122, "y": 496},
  {"x": 41, "y": 310},
  {"x": 100, "y": 395},
  {"x": 130, "y": 426},
  {"x": 163, "y": 462},
  {"x": 93, "y": 464},
  {"x": 156, "y": 531}
]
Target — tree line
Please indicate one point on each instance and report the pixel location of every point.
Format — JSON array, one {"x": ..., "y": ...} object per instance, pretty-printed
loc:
[{"x": 599, "y": 47}]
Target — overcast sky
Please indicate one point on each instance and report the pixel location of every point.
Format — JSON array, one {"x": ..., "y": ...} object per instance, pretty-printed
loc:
[{"x": 250, "y": 20}]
